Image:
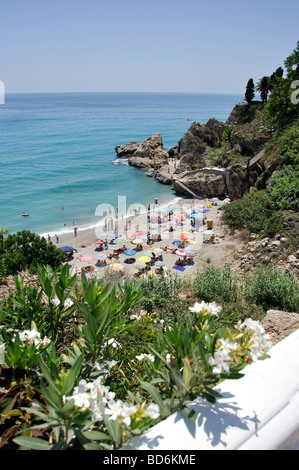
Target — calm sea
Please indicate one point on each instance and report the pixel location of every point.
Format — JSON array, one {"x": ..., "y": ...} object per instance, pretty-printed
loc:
[{"x": 56, "y": 152}]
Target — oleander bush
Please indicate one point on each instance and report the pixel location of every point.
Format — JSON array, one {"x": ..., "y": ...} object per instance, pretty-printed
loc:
[{"x": 84, "y": 367}]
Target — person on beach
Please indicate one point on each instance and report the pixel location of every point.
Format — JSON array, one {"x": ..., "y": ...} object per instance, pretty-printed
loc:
[
  {"x": 75, "y": 231},
  {"x": 49, "y": 238},
  {"x": 57, "y": 238}
]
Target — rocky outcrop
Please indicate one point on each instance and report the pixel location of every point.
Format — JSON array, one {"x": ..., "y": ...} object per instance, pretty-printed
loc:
[
  {"x": 230, "y": 147},
  {"x": 278, "y": 325},
  {"x": 236, "y": 181},
  {"x": 127, "y": 149},
  {"x": 202, "y": 183},
  {"x": 194, "y": 146},
  {"x": 149, "y": 154}
]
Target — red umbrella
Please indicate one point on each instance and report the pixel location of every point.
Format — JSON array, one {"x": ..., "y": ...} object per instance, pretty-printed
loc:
[
  {"x": 137, "y": 234},
  {"x": 183, "y": 237},
  {"x": 181, "y": 253},
  {"x": 99, "y": 242}
]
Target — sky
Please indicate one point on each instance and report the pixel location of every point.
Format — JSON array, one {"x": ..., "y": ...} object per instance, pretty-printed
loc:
[{"x": 143, "y": 45}]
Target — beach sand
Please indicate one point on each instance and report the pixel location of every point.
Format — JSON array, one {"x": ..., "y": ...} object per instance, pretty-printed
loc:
[{"x": 217, "y": 255}]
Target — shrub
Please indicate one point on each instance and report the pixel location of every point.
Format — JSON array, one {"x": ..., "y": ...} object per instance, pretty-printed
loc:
[
  {"x": 250, "y": 212},
  {"x": 272, "y": 288},
  {"x": 216, "y": 284},
  {"x": 25, "y": 250}
]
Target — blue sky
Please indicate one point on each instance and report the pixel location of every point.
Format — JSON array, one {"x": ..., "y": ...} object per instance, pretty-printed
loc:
[{"x": 144, "y": 46}]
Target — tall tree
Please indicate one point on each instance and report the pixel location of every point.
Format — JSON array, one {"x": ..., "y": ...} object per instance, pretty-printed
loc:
[
  {"x": 263, "y": 88},
  {"x": 292, "y": 64},
  {"x": 249, "y": 94}
]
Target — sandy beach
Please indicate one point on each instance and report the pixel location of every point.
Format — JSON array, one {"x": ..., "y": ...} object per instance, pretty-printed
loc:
[{"x": 175, "y": 230}]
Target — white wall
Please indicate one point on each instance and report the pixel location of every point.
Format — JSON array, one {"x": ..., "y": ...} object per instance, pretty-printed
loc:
[{"x": 258, "y": 411}]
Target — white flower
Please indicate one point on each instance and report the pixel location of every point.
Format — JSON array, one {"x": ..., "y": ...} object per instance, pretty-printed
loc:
[
  {"x": 33, "y": 336},
  {"x": 113, "y": 343},
  {"x": 227, "y": 346},
  {"x": 153, "y": 411},
  {"x": 259, "y": 341},
  {"x": 127, "y": 412},
  {"x": 252, "y": 325},
  {"x": 168, "y": 358},
  {"x": 220, "y": 362},
  {"x": 204, "y": 307},
  {"x": 115, "y": 409},
  {"x": 67, "y": 303},
  {"x": 148, "y": 356}
]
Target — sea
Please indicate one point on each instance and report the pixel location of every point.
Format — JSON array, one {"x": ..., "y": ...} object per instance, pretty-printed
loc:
[{"x": 58, "y": 160}]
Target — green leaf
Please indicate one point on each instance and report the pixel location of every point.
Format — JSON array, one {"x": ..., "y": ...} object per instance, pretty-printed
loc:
[
  {"x": 32, "y": 443},
  {"x": 154, "y": 393}
]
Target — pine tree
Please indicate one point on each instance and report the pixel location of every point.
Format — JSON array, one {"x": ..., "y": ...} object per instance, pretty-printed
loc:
[{"x": 249, "y": 95}]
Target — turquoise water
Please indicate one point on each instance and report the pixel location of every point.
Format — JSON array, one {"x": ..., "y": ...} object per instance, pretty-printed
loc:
[{"x": 56, "y": 152}]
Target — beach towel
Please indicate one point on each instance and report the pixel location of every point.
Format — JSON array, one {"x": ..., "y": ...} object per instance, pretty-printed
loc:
[{"x": 179, "y": 268}]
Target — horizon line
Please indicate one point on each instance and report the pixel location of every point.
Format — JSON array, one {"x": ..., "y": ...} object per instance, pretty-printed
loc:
[{"x": 144, "y": 92}]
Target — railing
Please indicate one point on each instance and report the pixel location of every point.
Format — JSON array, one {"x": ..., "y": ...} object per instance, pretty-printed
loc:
[{"x": 257, "y": 412}]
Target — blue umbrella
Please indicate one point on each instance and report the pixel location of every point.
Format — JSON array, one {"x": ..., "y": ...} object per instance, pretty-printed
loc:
[
  {"x": 129, "y": 252},
  {"x": 198, "y": 216},
  {"x": 113, "y": 235},
  {"x": 177, "y": 242},
  {"x": 67, "y": 248}
]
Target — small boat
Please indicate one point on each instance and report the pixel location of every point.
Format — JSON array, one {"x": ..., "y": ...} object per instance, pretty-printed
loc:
[{"x": 25, "y": 214}]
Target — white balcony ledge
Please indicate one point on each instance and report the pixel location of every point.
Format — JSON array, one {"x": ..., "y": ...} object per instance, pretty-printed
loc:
[{"x": 258, "y": 412}]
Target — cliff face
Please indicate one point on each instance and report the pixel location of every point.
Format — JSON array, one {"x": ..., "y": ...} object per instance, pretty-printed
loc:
[{"x": 230, "y": 147}]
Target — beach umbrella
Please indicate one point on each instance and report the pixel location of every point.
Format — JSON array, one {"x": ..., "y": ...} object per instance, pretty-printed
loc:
[
  {"x": 67, "y": 249},
  {"x": 130, "y": 252},
  {"x": 185, "y": 233},
  {"x": 189, "y": 252},
  {"x": 144, "y": 259},
  {"x": 198, "y": 216},
  {"x": 221, "y": 203},
  {"x": 113, "y": 235},
  {"x": 179, "y": 217},
  {"x": 180, "y": 252},
  {"x": 147, "y": 253},
  {"x": 114, "y": 247},
  {"x": 177, "y": 242},
  {"x": 86, "y": 258},
  {"x": 208, "y": 232},
  {"x": 137, "y": 241},
  {"x": 145, "y": 246},
  {"x": 119, "y": 241},
  {"x": 138, "y": 234},
  {"x": 157, "y": 251},
  {"x": 101, "y": 256},
  {"x": 99, "y": 242},
  {"x": 183, "y": 237}
]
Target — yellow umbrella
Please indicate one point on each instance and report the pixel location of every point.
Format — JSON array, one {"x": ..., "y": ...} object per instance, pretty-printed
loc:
[
  {"x": 144, "y": 259},
  {"x": 185, "y": 233},
  {"x": 137, "y": 241}
]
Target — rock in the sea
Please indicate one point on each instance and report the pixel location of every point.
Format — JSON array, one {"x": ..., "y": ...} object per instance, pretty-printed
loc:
[
  {"x": 127, "y": 149},
  {"x": 149, "y": 154}
]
